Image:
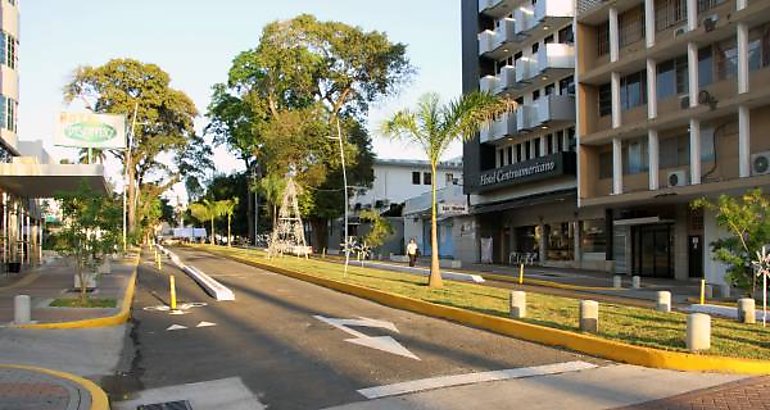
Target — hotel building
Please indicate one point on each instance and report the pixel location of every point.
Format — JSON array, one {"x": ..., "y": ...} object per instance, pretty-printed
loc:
[{"x": 673, "y": 104}]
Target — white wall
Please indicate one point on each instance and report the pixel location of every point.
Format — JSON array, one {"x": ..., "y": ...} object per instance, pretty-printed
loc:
[
  {"x": 394, "y": 183},
  {"x": 715, "y": 271}
]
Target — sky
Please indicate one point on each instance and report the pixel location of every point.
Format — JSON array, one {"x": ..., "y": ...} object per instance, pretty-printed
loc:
[{"x": 195, "y": 41}]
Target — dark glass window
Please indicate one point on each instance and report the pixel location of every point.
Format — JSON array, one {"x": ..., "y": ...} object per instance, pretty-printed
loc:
[
  {"x": 605, "y": 100},
  {"x": 519, "y": 157},
  {"x": 549, "y": 89},
  {"x": 415, "y": 178},
  {"x": 605, "y": 165},
  {"x": 426, "y": 178},
  {"x": 603, "y": 39},
  {"x": 633, "y": 90},
  {"x": 705, "y": 67},
  {"x": 510, "y": 154},
  {"x": 567, "y": 86},
  {"x": 537, "y": 147},
  {"x": 566, "y": 35},
  {"x": 672, "y": 77}
]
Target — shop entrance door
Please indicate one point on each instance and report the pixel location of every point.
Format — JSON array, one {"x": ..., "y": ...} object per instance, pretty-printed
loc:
[
  {"x": 695, "y": 256},
  {"x": 652, "y": 251}
]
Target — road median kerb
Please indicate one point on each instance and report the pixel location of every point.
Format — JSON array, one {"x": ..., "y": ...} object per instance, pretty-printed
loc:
[
  {"x": 117, "y": 319},
  {"x": 583, "y": 343},
  {"x": 99, "y": 400}
]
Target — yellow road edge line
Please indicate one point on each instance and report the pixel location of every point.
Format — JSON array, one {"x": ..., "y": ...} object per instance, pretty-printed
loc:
[
  {"x": 99, "y": 400},
  {"x": 578, "y": 342},
  {"x": 117, "y": 319}
]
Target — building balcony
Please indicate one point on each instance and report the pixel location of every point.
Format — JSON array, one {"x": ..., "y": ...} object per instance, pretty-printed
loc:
[
  {"x": 551, "y": 166},
  {"x": 544, "y": 16},
  {"x": 497, "y": 84},
  {"x": 551, "y": 110},
  {"x": 526, "y": 68},
  {"x": 556, "y": 59},
  {"x": 495, "y": 8},
  {"x": 525, "y": 19},
  {"x": 487, "y": 39},
  {"x": 489, "y": 84},
  {"x": 499, "y": 129}
]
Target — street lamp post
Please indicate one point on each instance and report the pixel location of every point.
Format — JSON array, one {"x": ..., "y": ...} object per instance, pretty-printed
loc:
[
  {"x": 345, "y": 191},
  {"x": 125, "y": 185}
]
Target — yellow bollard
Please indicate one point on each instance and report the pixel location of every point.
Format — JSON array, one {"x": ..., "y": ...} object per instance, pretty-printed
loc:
[
  {"x": 172, "y": 288},
  {"x": 160, "y": 266},
  {"x": 703, "y": 291},
  {"x": 521, "y": 274}
]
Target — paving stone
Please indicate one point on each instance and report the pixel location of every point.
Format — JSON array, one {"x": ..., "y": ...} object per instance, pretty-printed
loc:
[{"x": 747, "y": 394}]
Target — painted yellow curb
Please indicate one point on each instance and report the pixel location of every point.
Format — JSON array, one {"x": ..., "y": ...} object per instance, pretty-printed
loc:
[
  {"x": 99, "y": 399},
  {"x": 118, "y": 319},
  {"x": 579, "y": 342}
]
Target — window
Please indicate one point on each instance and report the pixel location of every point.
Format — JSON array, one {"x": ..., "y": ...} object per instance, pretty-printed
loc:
[
  {"x": 519, "y": 157},
  {"x": 633, "y": 90},
  {"x": 450, "y": 179},
  {"x": 631, "y": 25},
  {"x": 549, "y": 39},
  {"x": 605, "y": 100},
  {"x": 566, "y": 35},
  {"x": 603, "y": 39},
  {"x": 669, "y": 13},
  {"x": 560, "y": 140},
  {"x": 500, "y": 158},
  {"x": 11, "y": 125},
  {"x": 527, "y": 150},
  {"x": 571, "y": 140},
  {"x": 537, "y": 143},
  {"x": 726, "y": 59},
  {"x": 549, "y": 89},
  {"x": 704, "y": 5},
  {"x": 426, "y": 178},
  {"x": 510, "y": 154},
  {"x": 593, "y": 237},
  {"x": 707, "y": 146},
  {"x": 415, "y": 178},
  {"x": 605, "y": 165},
  {"x": 504, "y": 62},
  {"x": 8, "y": 44},
  {"x": 705, "y": 67},
  {"x": 672, "y": 77},
  {"x": 675, "y": 152},
  {"x": 567, "y": 86},
  {"x": 636, "y": 157},
  {"x": 535, "y": 95},
  {"x": 549, "y": 148},
  {"x": 535, "y": 47}
]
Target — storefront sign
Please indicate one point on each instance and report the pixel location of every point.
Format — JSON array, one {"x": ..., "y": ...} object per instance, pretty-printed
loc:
[
  {"x": 541, "y": 168},
  {"x": 452, "y": 209},
  {"x": 88, "y": 130}
]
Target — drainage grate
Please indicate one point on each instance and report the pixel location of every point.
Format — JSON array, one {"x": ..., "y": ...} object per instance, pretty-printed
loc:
[{"x": 169, "y": 405}]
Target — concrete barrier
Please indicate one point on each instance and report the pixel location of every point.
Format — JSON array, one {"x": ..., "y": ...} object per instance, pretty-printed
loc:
[
  {"x": 217, "y": 290},
  {"x": 617, "y": 282},
  {"x": 589, "y": 316},
  {"x": 518, "y": 304},
  {"x": 22, "y": 309},
  {"x": 636, "y": 282},
  {"x": 698, "y": 332},
  {"x": 664, "y": 301},
  {"x": 747, "y": 311}
]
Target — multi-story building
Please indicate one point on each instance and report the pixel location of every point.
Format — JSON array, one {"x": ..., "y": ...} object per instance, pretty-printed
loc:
[
  {"x": 26, "y": 173},
  {"x": 673, "y": 104},
  {"x": 522, "y": 167}
]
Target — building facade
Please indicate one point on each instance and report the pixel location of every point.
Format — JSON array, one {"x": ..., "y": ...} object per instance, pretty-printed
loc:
[
  {"x": 673, "y": 105},
  {"x": 522, "y": 168}
]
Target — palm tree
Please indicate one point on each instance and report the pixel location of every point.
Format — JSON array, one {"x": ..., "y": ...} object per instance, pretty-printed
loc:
[
  {"x": 201, "y": 212},
  {"x": 228, "y": 208},
  {"x": 272, "y": 187},
  {"x": 207, "y": 210},
  {"x": 433, "y": 127},
  {"x": 96, "y": 155}
]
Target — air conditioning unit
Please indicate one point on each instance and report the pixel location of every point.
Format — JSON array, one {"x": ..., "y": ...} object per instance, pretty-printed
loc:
[
  {"x": 684, "y": 102},
  {"x": 677, "y": 178},
  {"x": 760, "y": 163},
  {"x": 710, "y": 22},
  {"x": 680, "y": 31}
]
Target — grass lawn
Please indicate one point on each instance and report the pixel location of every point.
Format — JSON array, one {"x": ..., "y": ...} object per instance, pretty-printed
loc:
[
  {"x": 638, "y": 326},
  {"x": 90, "y": 303}
]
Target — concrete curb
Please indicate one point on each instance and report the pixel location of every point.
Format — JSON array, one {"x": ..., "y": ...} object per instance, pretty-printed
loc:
[
  {"x": 545, "y": 283},
  {"x": 583, "y": 343},
  {"x": 449, "y": 275},
  {"x": 217, "y": 290},
  {"x": 118, "y": 319},
  {"x": 99, "y": 400}
]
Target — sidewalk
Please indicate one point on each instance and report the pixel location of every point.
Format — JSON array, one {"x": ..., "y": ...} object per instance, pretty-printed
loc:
[
  {"x": 29, "y": 388},
  {"x": 55, "y": 280},
  {"x": 93, "y": 353}
]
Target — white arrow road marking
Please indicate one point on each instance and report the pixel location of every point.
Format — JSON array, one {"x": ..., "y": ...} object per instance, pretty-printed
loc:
[
  {"x": 176, "y": 327},
  {"x": 205, "y": 324},
  {"x": 383, "y": 343},
  {"x": 472, "y": 378}
]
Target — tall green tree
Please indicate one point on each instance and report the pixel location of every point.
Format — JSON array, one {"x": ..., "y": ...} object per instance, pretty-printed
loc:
[
  {"x": 747, "y": 219},
  {"x": 227, "y": 207},
  {"x": 207, "y": 210},
  {"x": 328, "y": 69},
  {"x": 380, "y": 229},
  {"x": 433, "y": 126},
  {"x": 164, "y": 122}
]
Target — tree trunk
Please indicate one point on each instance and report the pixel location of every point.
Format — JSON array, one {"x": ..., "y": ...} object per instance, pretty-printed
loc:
[
  {"x": 434, "y": 281},
  {"x": 130, "y": 199},
  {"x": 213, "y": 238},
  {"x": 229, "y": 237},
  {"x": 250, "y": 217},
  {"x": 320, "y": 236}
]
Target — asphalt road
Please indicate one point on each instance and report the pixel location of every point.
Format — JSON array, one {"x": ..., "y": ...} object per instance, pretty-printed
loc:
[{"x": 271, "y": 339}]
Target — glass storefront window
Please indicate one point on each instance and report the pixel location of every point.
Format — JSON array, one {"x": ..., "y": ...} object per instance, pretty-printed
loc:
[
  {"x": 561, "y": 243},
  {"x": 592, "y": 236}
]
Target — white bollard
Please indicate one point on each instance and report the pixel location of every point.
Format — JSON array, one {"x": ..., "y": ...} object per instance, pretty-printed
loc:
[
  {"x": 636, "y": 282},
  {"x": 698, "y": 332},
  {"x": 617, "y": 282},
  {"x": 664, "y": 301},
  {"x": 518, "y": 304},
  {"x": 589, "y": 316},
  {"x": 22, "y": 309},
  {"x": 747, "y": 310}
]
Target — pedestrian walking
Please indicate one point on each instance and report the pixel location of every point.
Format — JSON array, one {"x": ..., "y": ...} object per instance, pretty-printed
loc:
[{"x": 411, "y": 252}]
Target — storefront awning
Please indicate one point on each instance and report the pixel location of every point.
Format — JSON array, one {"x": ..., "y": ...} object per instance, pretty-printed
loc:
[
  {"x": 45, "y": 180},
  {"x": 526, "y": 202}
]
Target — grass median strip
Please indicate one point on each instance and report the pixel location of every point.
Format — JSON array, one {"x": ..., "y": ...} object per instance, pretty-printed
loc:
[
  {"x": 638, "y": 326},
  {"x": 89, "y": 303}
]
